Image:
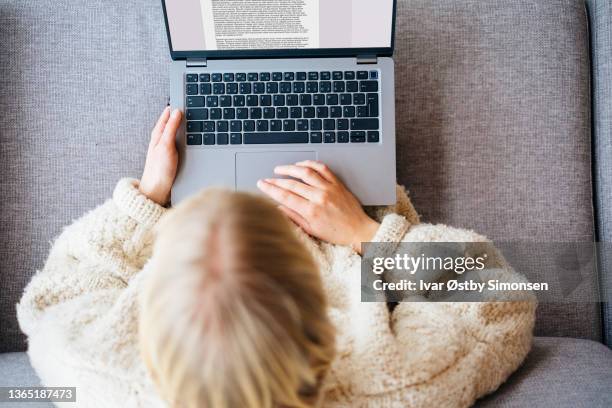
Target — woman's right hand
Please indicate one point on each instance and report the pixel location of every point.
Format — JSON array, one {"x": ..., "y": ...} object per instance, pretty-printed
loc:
[
  {"x": 162, "y": 158},
  {"x": 319, "y": 203}
]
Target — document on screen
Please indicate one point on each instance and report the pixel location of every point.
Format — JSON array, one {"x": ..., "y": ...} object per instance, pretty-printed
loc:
[{"x": 260, "y": 24}]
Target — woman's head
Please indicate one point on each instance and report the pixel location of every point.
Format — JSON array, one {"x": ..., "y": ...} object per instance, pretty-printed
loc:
[{"x": 233, "y": 313}]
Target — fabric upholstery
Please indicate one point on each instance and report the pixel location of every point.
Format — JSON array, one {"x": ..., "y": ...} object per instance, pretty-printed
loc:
[
  {"x": 600, "y": 12},
  {"x": 15, "y": 370},
  {"x": 493, "y": 127},
  {"x": 492, "y": 116},
  {"x": 560, "y": 373},
  {"x": 557, "y": 373}
]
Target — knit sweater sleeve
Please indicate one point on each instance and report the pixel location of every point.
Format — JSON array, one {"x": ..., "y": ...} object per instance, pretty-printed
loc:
[
  {"x": 440, "y": 353},
  {"x": 102, "y": 250}
]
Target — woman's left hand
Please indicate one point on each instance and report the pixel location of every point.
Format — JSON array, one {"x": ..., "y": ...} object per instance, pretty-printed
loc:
[{"x": 320, "y": 204}]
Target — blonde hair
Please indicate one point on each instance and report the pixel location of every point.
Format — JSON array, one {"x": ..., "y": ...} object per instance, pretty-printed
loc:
[{"x": 233, "y": 313}]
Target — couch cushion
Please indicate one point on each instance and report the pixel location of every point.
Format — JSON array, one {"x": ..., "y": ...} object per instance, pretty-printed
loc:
[
  {"x": 559, "y": 372},
  {"x": 600, "y": 12},
  {"x": 492, "y": 103},
  {"x": 493, "y": 122}
]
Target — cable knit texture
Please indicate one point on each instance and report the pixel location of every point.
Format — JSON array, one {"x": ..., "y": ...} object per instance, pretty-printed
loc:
[{"x": 80, "y": 313}]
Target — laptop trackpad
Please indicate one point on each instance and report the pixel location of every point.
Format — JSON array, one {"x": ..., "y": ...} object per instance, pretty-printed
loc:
[{"x": 254, "y": 166}]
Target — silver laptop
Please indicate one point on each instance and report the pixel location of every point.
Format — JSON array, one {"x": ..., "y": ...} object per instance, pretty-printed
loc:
[{"x": 270, "y": 82}]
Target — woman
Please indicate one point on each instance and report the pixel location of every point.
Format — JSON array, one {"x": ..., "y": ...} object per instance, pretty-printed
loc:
[{"x": 232, "y": 306}]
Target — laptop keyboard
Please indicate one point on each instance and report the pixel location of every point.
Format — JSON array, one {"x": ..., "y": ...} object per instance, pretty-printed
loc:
[{"x": 282, "y": 107}]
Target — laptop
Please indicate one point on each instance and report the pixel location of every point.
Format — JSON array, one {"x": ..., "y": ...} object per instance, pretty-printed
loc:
[{"x": 270, "y": 82}]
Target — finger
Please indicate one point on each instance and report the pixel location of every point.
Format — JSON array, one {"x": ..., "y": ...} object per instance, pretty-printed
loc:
[
  {"x": 159, "y": 126},
  {"x": 296, "y": 218},
  {"x": 304, "y": 190},
  {"x": 283, "y": 197},
  {"x": 320, "y": 168},
  {"x": 307, "y": 175},
  {"x": 171, "y": 127}
]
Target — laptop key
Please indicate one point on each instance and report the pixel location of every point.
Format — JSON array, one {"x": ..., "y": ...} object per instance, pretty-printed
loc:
[
  {"x": 245, "y": 88},
  {"x": 368, "y": 86},
  {"x": 282, "y": 113},
  {"x": 348, "y": 111},
  {"x": 332, "y": 99},
  {"x": 235, "y": 126},
  {"x": 359, "y": 99},
  {"x": 349, "y": 75},
  {"x": 362, "y": 111},
  {"x": 329, "y": 137},
  {"x": 194, "y": 139},
  {"x": 222, "y": 126},
  {"x": 271, "y": 87},
  {"x": 343, "y": 137},
  {"x": 225, "y": 101},
  {"x": 312, "y": 87},
  {"x": 218, "y": 88},
  {"x": 197, "y": 114},
  {"x": 255, "y": 113},
  {"x": 358, "y": 137},
  {"x": 191, "y": 78},
  {"x": 316, "y": 124},
  {"x": 205, "y": 89},
  {"x": 228, "y": 77},
  {"x": 295, "y": 113},
  {"x": 339, "y": 86},
  {"x": 346, "y": 99},
  {"x": 248, "y": 125},
  {"x": 232, "y": 88},
  {"x": 302, "y": 124},
  {"x": 216, "y": 77},
  {"x": 289, "y": 76},
  {"x": 204, "y": 77},
  {"x": 222, "y": 138},
  {"x": 195, "y": 101},
  {"x": 265, "y": 100},
  {"x": 352, "y": 86},
  {"x": 242, "y": 113},
  {"x": 275, "y": 137},
  {"x": 325, "y": 76},
  {"x": 373, "y": 136},
  {"x": 208, "y": 126},
  {"x": 325, "y": 86},
  {"x": 373, "y": 104},
  {"x": 239, "y": 100},
  {"x": 277, "y": 76},
  {"x": 308, "y": 112},
  {"x": 191, "y": 89},
  {"x": 264, "y": 76},
  {"x": 253, "y": 76},
  {"x": 364, "y": 124},
  {"x": 215, "y": 113},
  {"x": 343, "y": 124},
  {"x": 362, "y": 74},
  {"x": 337, "y": 75},
  {"x": 299, "y": 87},
  {"x": 288, "y": 125},
  {"x": 322, "y": 112},
  {"x": 209, "y": 139},
  {"x": 229, "y": 113},
  {"x": 313, "y": 76},
  {"x": 259, "y": 88},
  {"x": 300, "y": 76},
  {"x": 292, "y": 100},
  {"x": 241, "y": 77},
  {"x": 285, "y": 87},
  {"x": 316, "y": 137},
  {"x": 329, "y": 124},
  {"x": 279, "y": 100},
  {"x": 235, "y": 138},
  {"x": 268, "y": 112},
  {"x": 305, "y": 99},
  {"x": 194, "y": 127},
  {"x": 318, "y": 99},
  {"x": 252, "y": 100},
  {"x": 276, "y": 125},
  {"x": 335, "y": 112},
  {"x": 262, "y": 125}
]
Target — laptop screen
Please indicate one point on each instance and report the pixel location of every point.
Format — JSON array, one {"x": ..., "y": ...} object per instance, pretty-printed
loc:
[{"x": 226, "y": 25}]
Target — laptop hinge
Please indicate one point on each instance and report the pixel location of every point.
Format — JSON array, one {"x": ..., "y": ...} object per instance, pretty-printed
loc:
[
  {"x": 367, "y": 59},
  {"x": 196, "y": 62}
]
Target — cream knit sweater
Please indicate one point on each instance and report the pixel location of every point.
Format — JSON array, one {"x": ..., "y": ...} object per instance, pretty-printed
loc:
[{"x": 80, "y": 315}]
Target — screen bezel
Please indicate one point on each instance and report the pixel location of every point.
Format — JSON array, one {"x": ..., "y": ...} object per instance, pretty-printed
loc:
[{"x": 282, "y": 53}]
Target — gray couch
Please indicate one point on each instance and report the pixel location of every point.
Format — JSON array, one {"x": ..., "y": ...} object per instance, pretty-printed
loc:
[{"x": 504, "y": 121}]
